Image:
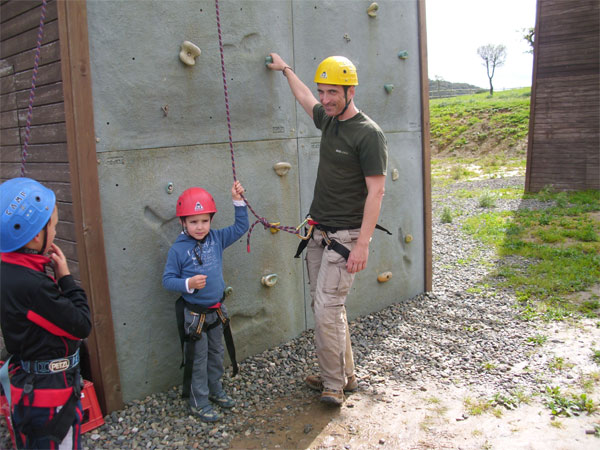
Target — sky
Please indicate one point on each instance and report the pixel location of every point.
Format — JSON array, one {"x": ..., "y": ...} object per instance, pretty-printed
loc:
[{"x": 456, "y": 28}]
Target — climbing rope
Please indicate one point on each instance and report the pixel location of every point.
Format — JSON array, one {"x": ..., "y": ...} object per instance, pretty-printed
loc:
[
  {"x": 36, "y": 63},
  {"x": 259, "y": 219}
]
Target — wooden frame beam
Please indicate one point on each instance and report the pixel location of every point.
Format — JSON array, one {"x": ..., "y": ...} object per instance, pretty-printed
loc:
[
  {"x": 426, "y": 145},
  {"x": 81, "y": 147}
]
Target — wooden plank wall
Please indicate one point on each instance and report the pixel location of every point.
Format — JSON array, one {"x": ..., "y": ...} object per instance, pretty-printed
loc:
[
  {"x": 564, "y": 138},
  {"x": 47, "y": 159}
]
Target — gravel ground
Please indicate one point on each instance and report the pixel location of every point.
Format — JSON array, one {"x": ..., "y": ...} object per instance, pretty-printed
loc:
[{"x": 447, "y": 337}]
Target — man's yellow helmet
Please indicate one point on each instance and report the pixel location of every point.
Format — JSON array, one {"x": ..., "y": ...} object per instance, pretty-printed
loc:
[{"x": 336, "y": 70}]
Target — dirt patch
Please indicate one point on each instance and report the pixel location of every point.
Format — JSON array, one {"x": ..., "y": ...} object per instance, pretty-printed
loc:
[{"x": 434, "y": 416}]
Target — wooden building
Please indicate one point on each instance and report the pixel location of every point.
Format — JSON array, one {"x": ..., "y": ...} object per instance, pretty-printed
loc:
[{"x": 564, "y": 131}]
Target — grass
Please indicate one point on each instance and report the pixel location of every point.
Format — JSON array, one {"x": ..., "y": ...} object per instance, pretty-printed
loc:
[
  {"x": 487, "y": 200},
  {"x": 596, "y": 356},
  {"x": 475, "y": 119},
  {"x": 477, "y": 407},
  {"x": 558, "y": 364},
  {"x": 496, "y": 404},
  {"x": 538, "y": 339},
  {"x": 573, "y": 405},
  {"x": 560, "y": 246},
  {"x": 588, "y": 382},
  {"x": 446, "y": 216}
]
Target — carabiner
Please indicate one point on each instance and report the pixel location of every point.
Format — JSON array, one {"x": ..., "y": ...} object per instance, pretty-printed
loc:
[{"x": 308, "y": 234}]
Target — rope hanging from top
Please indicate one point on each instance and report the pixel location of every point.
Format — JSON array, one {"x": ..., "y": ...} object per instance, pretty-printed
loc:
[
  {"x": 259, "y": 219},
  {"x": 36, "y": 63}
]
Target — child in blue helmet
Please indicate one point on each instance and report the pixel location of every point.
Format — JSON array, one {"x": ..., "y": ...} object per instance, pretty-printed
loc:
[
  {"x": 43, "y": 319},
  {"x": 194, "y": 268}
]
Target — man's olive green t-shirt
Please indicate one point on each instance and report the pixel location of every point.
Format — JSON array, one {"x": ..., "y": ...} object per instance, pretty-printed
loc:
[{"x": 350, "y": 151}]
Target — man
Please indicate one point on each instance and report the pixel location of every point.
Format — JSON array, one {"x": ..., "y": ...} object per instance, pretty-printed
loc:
[{"x": 345, "y": 208}]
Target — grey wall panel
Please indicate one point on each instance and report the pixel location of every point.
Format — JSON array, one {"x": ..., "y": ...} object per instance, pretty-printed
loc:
[
  {"x": 401, "y": 214},
  {"x": 373, "y": 44},
  {"x": 136, "y": 71},
  {"x": 134, "y": 48},
  {"x": 140, "y": 225}
]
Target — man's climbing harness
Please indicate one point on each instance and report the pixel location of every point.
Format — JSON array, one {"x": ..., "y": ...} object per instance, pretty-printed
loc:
[
  {"x": 36, "y": 63},
  {"x": 327, "y": 241},
  {"x": 188, "y": 340}
]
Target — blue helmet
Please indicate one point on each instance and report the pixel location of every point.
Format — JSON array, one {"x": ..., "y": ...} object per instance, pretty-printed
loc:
[{"x": 25, "y": 208}]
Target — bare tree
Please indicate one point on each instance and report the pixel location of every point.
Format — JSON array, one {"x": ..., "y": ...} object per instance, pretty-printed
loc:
[
  {"x": 493, "y": 56},
  {"x": 438, "y": 79},
  {"x": 529, "y": 36}
]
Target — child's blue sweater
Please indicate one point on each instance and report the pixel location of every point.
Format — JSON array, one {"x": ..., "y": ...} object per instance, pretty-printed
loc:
[{"x": 182, "y": 262}]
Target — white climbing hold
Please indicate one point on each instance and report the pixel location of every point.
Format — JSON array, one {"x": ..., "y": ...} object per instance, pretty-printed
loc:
[{"x": 189, "y": 52}]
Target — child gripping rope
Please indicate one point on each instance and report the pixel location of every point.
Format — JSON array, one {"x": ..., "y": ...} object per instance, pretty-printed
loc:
[{"x": 194, "y": 268}]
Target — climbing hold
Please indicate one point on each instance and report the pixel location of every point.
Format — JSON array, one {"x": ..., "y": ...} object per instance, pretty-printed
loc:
[
  {"x": 383, "y": 277},
  {"x": 403, "y": 54},
  {"x": 395, "y": 174},
  {"x": 372, "y": 9},
  {"x": 165, "y": 110},
  {"x": 269, "y": 280},
  {"x": 408, "y": 238},
  {"x": 274, "y": 230},
  {"x": 388, "y": 88},
  {"x": 347, "y": 37},
  {"x": 170, "y": 188},
  {"x": 189, "y": 52},
  {"x": 228, "y": 291},
  {"x": 282, "y": 168},
  {"x": 268, "y": 60}
]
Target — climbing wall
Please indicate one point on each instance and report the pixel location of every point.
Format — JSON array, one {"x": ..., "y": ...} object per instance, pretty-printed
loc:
[{"x": 161, "y": 127}]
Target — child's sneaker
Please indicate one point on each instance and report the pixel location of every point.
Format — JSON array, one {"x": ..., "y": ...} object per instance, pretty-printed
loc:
[
  {"x": 222, "y": 399},
  {"x": 206, "y": 413}
]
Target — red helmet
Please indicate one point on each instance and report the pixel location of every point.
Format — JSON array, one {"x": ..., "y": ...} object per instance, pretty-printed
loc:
[{"x": 195, "y": 201}]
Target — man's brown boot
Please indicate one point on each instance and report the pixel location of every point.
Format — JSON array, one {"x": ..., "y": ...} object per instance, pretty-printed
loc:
[
  {"x": 335, "y": 398},
  {"x": 315, "y": 382}
]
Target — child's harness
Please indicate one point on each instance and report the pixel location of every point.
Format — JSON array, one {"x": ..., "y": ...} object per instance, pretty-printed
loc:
[
  {"x": 188, "y": 350},
  {"x": 58, "y": 427}
]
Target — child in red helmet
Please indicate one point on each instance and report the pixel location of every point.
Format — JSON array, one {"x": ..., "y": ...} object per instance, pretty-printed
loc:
[{"x": 195, "y": 269}]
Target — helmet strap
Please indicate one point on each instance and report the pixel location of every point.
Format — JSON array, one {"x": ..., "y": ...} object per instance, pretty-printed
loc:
[
  {"x": 41, "y": 252},
  {"x": 183, "y": 227},
  {"x": 337, "y": 120}
]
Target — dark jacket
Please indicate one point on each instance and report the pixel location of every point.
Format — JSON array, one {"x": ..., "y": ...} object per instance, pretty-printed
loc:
[{"x": 41, "y": 320}]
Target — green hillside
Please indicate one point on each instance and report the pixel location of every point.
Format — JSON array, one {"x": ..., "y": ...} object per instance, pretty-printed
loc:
[{"x": 479, "y": 124}]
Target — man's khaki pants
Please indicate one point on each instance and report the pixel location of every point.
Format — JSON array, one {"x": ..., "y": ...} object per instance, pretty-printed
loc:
[{"x": 330, "y": 283}]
